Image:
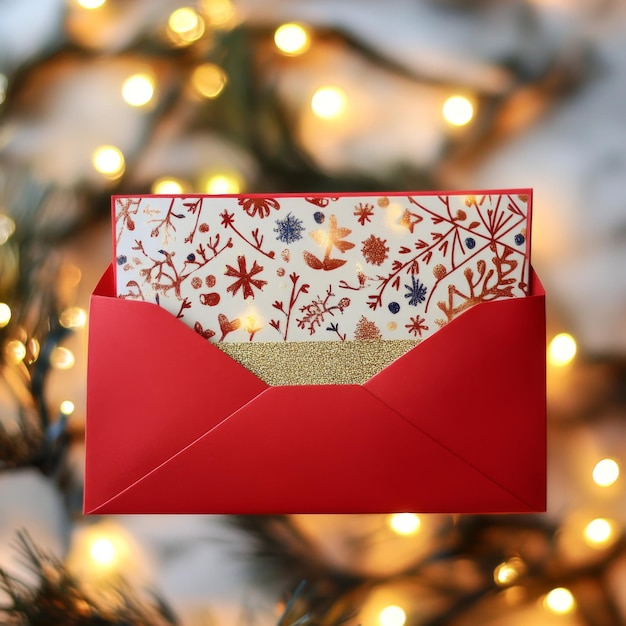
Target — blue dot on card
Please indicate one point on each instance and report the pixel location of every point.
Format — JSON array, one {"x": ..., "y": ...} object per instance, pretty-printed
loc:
[
  {"x": 394, "y": 307},
  {"x": 191, "y": 257},
  {"x": 121, "y": 259},
  {"x": 519, "y": 239},
  {"x": 470, "y": 242},
  {"x": 318, "y": 216}
]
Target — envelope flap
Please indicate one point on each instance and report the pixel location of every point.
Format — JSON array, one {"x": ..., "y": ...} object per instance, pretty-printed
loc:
[
  {"x": 163, "y": 391},
  {"x": 489, "y": 357},
  {"x": 314, "y": 449}
]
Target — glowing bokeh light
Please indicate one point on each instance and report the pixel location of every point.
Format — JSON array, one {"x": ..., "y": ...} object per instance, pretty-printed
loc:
[
  {"x": 7, "y": 228},
  {"x": 67, "y": 407},
  {"x": 458, "y": 111},
  {"x": 108, "y": 160},
  {"x": 224, "y": 183},
  {"x": 208, "y": 80},
  {"x": 62, "y": 358},
  {"x": 605, "y": 472},
  {"x": 562, "y": 350},
  {"x": 559, "y": 601},
  {"x": 167, "y": 185},
  {"x": 329, "y": 102},
  {"x": 292, "y": 39},
  {"x": 505, "y": 574},
  {"x": 90, "y": 4},
  {"x": 392, "y": 616},
  {"x": 5, "y": 314},
  {"x": 219, "y": 13},
  {"x": 405, "y": 523},
  {"x": 14, "y": 351},
  {"x": 598, "y": 532},
  {"x": 138, "y": 89},
  {"x": 102, "y": 551},
  {"x": 185, "y": 25},
  {"x": 73, "y": 317}
]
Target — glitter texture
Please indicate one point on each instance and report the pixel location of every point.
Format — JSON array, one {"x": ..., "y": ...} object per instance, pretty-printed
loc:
[{"x": 316, "y": 362}]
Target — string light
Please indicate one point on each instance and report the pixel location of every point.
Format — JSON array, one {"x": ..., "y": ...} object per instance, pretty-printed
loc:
[
  {"x": 90, "y": 4},
  {"x": 14, "y": 351},
  {"x": 508, "y": 572},
  {"x": 62, "y": 358},
  {"x": 208, "y": 80},
  {"x": 559, "y": 601},
  {"x": 67, "y": 407},
  {"x": 292, "y": 39},
  {"x": 102, "y": 551},
  {"x": 108, "y": 160},
  {"x": 7, "y": 228},
  {"x": 404, "y": 523},
  {"x": 598, "y": 532},
  {"x": 5, "y": 314},
  {"x": 392, "y": 616},
  {"x": 329, "y": 102},
  {"x": 32, "y": 349},
  {"x": 223, "y": 183},
  {"x": 562, "y": 350},
  {"x": 167, "y": 186},
  {"x": 185, "y": 26},
  {"x": 73, "y": 317},
  {"x": 458, "y": 111},
  {"x": 138, "y": 89},
  {"x": 605, "y": 472}
]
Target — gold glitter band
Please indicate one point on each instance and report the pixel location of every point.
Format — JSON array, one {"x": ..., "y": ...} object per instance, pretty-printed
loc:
[{"x": 316, "y": 362}]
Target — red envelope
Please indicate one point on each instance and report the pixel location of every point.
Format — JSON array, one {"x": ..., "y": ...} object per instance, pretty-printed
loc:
[{"x": 455, "y": 425}]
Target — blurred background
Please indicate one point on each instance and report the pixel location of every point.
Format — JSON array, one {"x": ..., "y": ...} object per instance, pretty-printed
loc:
[{"x": 224, "y": 96}]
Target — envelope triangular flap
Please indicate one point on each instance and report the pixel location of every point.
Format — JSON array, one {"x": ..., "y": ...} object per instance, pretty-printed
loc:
[
  {"x": 314, "y": 449},
  {"x": 478, "y": 387},
  {"x": 161, "y": 392}
]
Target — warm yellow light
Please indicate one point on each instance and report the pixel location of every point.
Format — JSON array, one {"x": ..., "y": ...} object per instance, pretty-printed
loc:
[
  {"x": 14, "y": 351},
  {"x": 559, "y": 601},
  {"x": 458, "y": 110},
  {"x": 185, "y": 26},
  {"x": 33, "y": 347},
  {"x": 67, "y": 407},
  {"x": 5, "y": 314},
  {"x": 329, "y": 102},
  {"x": 103, "y": 552},
  {"x": 605, "y": 472},
  {"x": 405, "y": 523},
  {"x": 7, "y": 228},
  {"x": 208, "y": 80},
  {"x": 506, "y": 573},
  {"x": 392, "y": 616},
  {"x": 73, "y": 317},
  {"x": 219, "y": 184},
  {"x": 291, "y": 39},
  {"x": 90, "y": 4},
  {"x": 108, "y": 160},
  {"x": 598, "y": 531},
  {"x": 138, "y": 89},
  {"x": 167, "y": 186},
  {"x": 562, "y": 350},
  {"x": 219, "y": 12},
  {"x": 62, "y": 358}
]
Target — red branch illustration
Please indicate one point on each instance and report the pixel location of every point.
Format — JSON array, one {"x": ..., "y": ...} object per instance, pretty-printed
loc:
[
  {"x": 488, "y": 285},
  {"x": 193, "y": 207},
  {"x": 228, "y": 221},
  {"x": 127, "y": 208},
  {"x": 334, "y": 237},
  {"x": 166, "y": 222},
  {"x": 295, "y": 293},
  {"x": 314, "y": 313}
]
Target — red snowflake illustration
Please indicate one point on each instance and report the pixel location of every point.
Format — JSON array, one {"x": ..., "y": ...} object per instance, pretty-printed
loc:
[
  {"x": 416, "y": 326},
  {"x": 258, "y": 206},
  {"x": 245, "y": 278},
  {"x": 374, "y": 250},
  {"x": 363, "y": 212}
]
